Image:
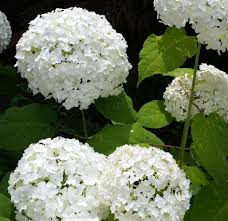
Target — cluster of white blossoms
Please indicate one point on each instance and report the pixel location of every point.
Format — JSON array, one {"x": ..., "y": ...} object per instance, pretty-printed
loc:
[
  {"x": 57, "y": 180},
  {"x": 5, "y": 32},
  {"x": 145, "y": 184},
  {"x": 74, "y": 56},
  {"x": 207, "y": 17},
  {"x": 63, "y": 180},
  {"x": 211, "y": 94}
]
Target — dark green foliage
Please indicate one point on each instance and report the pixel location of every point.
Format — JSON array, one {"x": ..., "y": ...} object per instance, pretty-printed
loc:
[
  {"x": 21, "y": 126},
  {"x": 8, "y": 80},
  {"x": 117, "y": 108},
  {"x": 211, "y": 204},
  {"x": 210, "y": 145},
  {"x": 4, "y": 185},
  {"x": 5, "y": 206}
]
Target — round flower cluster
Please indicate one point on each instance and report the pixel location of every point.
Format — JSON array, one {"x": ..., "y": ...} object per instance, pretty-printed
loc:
[
  {"x": 145, "y": 184},
  {"x": 211, "y": 94},
  {"x": 74, "y": 56},
  {"x": 208, "y": 18},
  {"x": 57, "y": 180},
  {"x": 5, "y": 32}
]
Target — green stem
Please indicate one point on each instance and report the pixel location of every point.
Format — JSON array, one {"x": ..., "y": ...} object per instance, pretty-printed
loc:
[
  {"x": 84, "y": 125},
  {"x": 188, "y": 120}
]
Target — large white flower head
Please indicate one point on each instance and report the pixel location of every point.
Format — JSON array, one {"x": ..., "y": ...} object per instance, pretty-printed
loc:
[
  {"x": 57, "y": 180},
  {"x": 5, "y": 32},
  {"x": 74, "y": 56},
  {"x": 208, "y": 18},
  {"x": 211, "y": 94},
  {"x": 145, "y": 184}
]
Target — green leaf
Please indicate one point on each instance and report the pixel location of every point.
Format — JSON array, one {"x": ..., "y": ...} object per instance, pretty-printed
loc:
[
  {"x": 21, "y": 126},
  {"x": 179, "y": 72},
  {"x": 210, "y": 142},
  {"x": 161, "y": 54},
  {"x": 197, "y": 177},
  {"x": 117, "y": 108},
  {"x": 4, "y": 219},
  {"x": 153, "y": 115},
  {"x": 5, "y": 206},
  {"x": 210, "y": 204},
  {"x": 8, "y": 78},
  {"x": 112, "y": 136},
  {"x": 4, "y": 185},
  {"x": 140, "y": 135}
]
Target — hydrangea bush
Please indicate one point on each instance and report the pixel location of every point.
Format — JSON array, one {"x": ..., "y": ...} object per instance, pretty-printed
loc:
[{"x": 125, "y": 170}]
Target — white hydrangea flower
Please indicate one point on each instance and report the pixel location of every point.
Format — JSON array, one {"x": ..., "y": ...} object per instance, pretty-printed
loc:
[
  {"x": 211, "y": 94},
  {"x": 172, "y": 12},
  {"x": 74, "y": 56},
  {"x": 5, "y": 32},
  {"x": 57, "y": 180},
  {"x": 208, "y": 18},
  {"x": 145, "y": 184}
]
